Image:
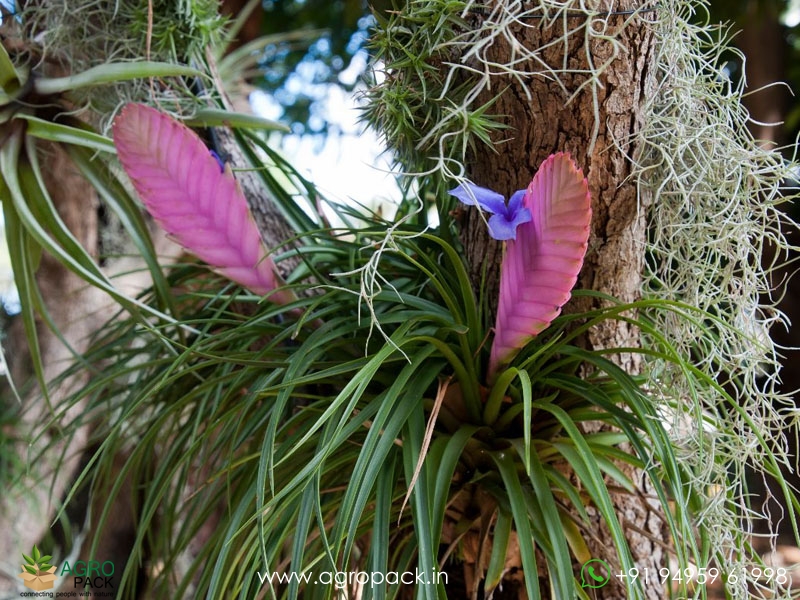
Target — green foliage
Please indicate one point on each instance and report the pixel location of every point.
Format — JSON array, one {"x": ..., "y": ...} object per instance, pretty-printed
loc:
[
  {"x": 32, "y": 222},
  {"x": 62, "y": 37},
  {"x": 85, "y": 34},
  {"x": 299, "y": 437},
  {"x": 427, "y": 113}
]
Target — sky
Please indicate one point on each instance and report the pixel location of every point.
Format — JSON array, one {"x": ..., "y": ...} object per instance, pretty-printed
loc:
[
  {"x": 349, "y": 165},
  {"x": 792, "y": 15}
]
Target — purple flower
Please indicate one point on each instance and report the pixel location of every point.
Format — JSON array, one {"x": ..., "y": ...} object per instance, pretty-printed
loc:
[{"x": 505, "y": 218}]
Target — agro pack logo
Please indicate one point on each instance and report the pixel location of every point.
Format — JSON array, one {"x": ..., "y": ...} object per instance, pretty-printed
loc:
[
  {"x": 91, "y": 575},
  {"x": 90, "y": 578}
]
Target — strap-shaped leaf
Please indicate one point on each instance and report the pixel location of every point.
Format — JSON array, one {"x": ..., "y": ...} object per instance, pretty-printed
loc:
[
  {"x": 192, "y": 198},
  {"x": 541, "y": 266}
]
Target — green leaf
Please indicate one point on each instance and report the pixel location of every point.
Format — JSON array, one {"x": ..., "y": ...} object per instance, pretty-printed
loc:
[
  {"x": 36, "y": 554},
  {"x": 492, "y": 408},
  {"x": 247, "y": 55},
  {"x": 574, "y": 536},
  {"x": 22, "y": 262},
  {"x": 31, "y": 570},
  {"x": 301, "y": 525},
  {"x": 447, "y": 460},
  {"x": 28, "y": 559},
  {"x": 397, "y": 406},
  {"x": 420, "y": 507},
  {"x": 217, "y": 117},
  {"x": 561, "y": 570},
  {"x": 9, "y": 78},
  {"x": 56, "y": 132},
  {"x": 112, "y": 73},
  {"x": 519, "y": 511},
  {"x": 581, "y": 459},
  {"x": 381, "y": 526},
  {"x": 497, "y": 560}
]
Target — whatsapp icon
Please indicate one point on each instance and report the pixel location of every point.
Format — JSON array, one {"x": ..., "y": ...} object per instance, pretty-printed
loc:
[{"x": 595, "y": 573}]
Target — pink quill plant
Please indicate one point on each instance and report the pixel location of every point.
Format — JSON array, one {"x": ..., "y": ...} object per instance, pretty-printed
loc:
[
  {"x": 198, "y": 203},
  {"x": 541, "y": 266},
  {"x": 546, "y": 228}
]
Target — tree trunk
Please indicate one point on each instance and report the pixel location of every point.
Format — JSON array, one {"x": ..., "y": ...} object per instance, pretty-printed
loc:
[
  {"x": 26, "y": 513},
  {"x": 594, "y": 122}
]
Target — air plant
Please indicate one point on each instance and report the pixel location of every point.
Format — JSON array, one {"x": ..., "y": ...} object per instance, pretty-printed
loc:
[
  {"x": 306, "y": 446},
  {"x": 369, "y": 430}
]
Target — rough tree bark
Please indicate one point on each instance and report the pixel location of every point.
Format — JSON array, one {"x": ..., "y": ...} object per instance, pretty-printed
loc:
[{"x": 597, "y": 132}]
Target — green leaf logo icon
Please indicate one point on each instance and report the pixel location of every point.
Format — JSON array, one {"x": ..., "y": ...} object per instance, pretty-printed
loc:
[{"x": 37, "y": 563}]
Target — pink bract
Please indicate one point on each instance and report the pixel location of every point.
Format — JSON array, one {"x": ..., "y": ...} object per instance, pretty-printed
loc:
[
  {"x": 541, "y": 266},
  {"x": 192, "y": 199}
]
